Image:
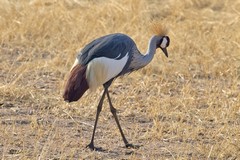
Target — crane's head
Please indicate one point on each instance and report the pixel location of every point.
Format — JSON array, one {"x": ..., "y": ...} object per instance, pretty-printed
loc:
[
  {"x": 160, "y": 31},
  {"x": 163, "y": 44}
]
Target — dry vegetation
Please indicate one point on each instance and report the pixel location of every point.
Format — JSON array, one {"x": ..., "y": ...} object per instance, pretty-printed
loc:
[{"x": 183, "y": 107}]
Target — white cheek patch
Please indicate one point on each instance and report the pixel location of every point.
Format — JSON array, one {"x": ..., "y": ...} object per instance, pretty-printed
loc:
[{"x": 164, "y": 43}]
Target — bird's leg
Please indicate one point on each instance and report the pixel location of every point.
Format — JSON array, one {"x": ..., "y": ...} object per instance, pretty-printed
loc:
[
  {"x": 99, "y": 108},
  {"x": 114, "y": 112}
]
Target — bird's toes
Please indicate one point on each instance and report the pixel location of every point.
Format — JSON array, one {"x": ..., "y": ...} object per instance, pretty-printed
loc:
[{"x": 90, "y": 146}]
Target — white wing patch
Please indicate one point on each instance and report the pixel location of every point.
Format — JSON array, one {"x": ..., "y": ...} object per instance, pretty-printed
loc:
[
  {"x": 75, "y": 63},
  {"x": 102, "y": 69}
]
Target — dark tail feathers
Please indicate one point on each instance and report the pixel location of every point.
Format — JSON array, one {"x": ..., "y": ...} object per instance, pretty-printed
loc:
[{"x": 76, "y": 84}]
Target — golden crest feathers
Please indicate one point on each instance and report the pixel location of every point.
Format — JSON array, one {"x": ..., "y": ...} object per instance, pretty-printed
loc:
[{"x": 158, "y": 29}]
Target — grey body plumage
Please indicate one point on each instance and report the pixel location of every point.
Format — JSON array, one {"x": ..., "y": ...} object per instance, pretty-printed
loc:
[{"x": 113, "y": 46}]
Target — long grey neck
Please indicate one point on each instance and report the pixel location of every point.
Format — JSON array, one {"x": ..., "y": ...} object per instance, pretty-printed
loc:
[
  {"x": 152, "y": 46},
  {"x": 139, "y": 60}
]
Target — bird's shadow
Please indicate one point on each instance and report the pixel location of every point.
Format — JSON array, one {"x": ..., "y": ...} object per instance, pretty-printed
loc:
[
  {"x": 99, "y": 149},
  {"x": 130, "y": 149},
  {"x": 132, "y": 146}
]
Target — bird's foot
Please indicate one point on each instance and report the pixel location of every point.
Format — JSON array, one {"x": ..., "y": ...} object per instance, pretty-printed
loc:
[
  {"x": 128, "y": 145},
  {"x": 92, "y": 148}
]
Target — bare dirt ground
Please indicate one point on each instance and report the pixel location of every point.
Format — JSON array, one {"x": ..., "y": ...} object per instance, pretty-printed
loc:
[{"x": 186, "y": 106}]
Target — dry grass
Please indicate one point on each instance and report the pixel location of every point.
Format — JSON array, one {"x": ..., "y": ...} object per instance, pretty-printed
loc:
[{"x": 183, "y": 107}]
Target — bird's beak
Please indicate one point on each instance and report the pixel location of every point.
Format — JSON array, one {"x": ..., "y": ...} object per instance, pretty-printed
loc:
[{"x": 165, "y": 51}]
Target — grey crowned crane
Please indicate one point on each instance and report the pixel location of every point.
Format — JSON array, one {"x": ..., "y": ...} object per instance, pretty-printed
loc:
[{"x": 103, "y": 60}]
